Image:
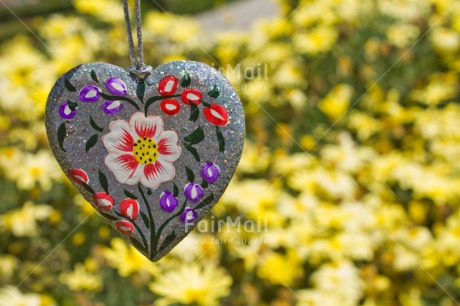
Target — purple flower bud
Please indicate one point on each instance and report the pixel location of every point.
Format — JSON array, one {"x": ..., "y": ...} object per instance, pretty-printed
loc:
[
  {"x": 193, "y": 192},
  {"x": 66, "y": 111},
  {"x": 210, "y": 172},
  {"x": 168, "y": 201},
  {"x": 116, "y": 87},
  {"x": 112, "y": 107},
  {"x": 89, "y": 93},
  {"x": 189, "y": 215}
]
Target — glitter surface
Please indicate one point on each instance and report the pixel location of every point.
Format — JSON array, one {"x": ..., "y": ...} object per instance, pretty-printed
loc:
[{"x": 78, "y": 142}]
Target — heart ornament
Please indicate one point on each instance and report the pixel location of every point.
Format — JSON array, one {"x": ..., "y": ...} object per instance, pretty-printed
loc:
[{"x": 151, "y": 155}]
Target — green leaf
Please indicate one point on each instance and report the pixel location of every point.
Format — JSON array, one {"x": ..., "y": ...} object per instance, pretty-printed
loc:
[
  {"x": 88, "y": 188},
  {"x": 190, "y": 175},
  {"x": 195, "y": 137},
  {"x": 104, "y": 182},
  {"x": 214, "y": 93},
  {"x": 130, "y": 195},
  {"x": 170, "y": 238},
  {"x": 149, "y": 192},
  {"x": 91, "y": 142},
  {"x": 62, "y": 133},
  {"x": 140, "y": 91},
  {"x": 194, "y": 112},
  {"x": 206, "y": 201},
  {"x": 175, "y": 190},
  {"x": 220, "y": 140},
  {"x": 72, "y": 105},
  {"x": 94, "y": 76},
  {"x": 205, "y": 104},
  {"x": 186, "y": 80},
  {"x": 137, "y": 244},
  {"x": 69, "y": 86},
  {"x": 146, "y": 220},
  {"x": 204, "y": 184},
  {"x": 94, "y": 125},
  {"x": 113, "y": 218},
  {"x": 193, "y": 151}
]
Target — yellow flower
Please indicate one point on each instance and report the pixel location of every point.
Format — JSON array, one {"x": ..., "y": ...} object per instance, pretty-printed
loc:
[
  {"x": 442, "y": 87},
  {"x": 8, "y": 264},
  {"x": 60, "y": 26},
  {"x": 317, "y": 298},
  {"x": 317, "y": 40},
  {"x": 191, "y": 283},
  {"x": 337, "y": 101},
  {"x": 445, "y": 40},
  {"x": 347, "y": 156},
  {"x": 278, "y": 27},
  {"x": 257, "y": 198},
  {"x": 340, "y": 279},
  {"x": 81, "y": 279},
  {"x": 279, "y": 269},
  {"x": 23, "y": 221},
  {"x": 404, "y": 9},
  {"x": 255, "y": 158},
  {"x": 108, "y": 10},
  {"x": 364, "y": 125},
  {"x": 11, "y": 296},
  {"x": 402, "y": 35},
  {"x": 39, "y": 168},
  {"x": 127, "y": 260}
]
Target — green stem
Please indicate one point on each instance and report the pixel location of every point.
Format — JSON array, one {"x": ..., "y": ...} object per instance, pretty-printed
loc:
[
  {"x": 157, "y": 238},
  {"x": 137, "y": 228},
  {"x": 115, "y": 98},
  {"x": 152, "y": 100},
  {"x": 152, "y": 222}
]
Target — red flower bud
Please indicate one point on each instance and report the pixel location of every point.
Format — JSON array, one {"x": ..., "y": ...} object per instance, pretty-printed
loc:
[
  {"x": 191, "y": 95},
  {"x": 78, "y": 176},
  {"x": 103, "y": 201},
  {"x": 170, "y": 107},
  {"x": 129, "y": 208},
  {"x": 168, "y": 85},
  {"x": 125, "y": 227},
  {"x": 216, "y": 114}
]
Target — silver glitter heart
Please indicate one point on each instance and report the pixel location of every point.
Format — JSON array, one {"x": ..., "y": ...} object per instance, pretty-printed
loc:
[{"x": 153, "y": 156}]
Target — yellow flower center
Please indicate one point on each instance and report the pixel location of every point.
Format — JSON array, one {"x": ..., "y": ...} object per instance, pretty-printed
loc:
[{"x": 145, "y": 150}]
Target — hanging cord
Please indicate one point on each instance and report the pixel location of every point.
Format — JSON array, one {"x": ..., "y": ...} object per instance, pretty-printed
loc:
[{"x": 138, "y": 68}]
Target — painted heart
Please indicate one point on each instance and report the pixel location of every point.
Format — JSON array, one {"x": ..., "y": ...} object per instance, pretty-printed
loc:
[{"x": 153, "y": 156}]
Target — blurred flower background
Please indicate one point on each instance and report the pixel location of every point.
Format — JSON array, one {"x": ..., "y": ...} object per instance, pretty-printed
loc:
[{"x": 353, "y": 140}]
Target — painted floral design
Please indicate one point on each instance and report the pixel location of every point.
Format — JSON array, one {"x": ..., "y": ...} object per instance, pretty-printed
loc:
[
  {"x": 103, "y": 201},
  {"x": 129, "y": 208},
  {"x": 168, "y": 202},
  {"x": 216, "y": 114},
  {"x": 170, "y": 107},
  {"x": 168, "y": 85},
  {"x": 89, "y": 93},
  {"x": 141, "y": 151},
  {"x": 193, "y": 192},
  {"x": 125, "y": 227},
  {"x": 112, "y": 107},
  {"x": 191, "y": 95},
  {"x": 116, "y": 87},
  {"x": 78, "y": 176},
  {"x": 189, "y": 215},
  {"x": 210, "y": 172},
  {"x": 67, "y": 110}
]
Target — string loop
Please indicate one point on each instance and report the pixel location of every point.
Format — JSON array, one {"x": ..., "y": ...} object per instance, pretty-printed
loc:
[{"x": 138, "y": 67}]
